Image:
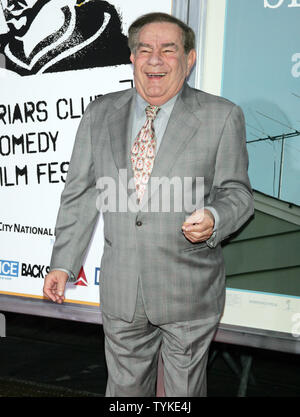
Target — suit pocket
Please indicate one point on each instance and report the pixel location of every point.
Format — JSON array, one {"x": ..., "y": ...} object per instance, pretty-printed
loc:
[
  {"x": 107, "y": 241},
  {"x": 196, "y": 247}
]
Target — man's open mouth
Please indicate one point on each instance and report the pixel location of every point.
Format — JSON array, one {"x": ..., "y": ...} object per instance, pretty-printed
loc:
[{"x": 156, "y": 75}]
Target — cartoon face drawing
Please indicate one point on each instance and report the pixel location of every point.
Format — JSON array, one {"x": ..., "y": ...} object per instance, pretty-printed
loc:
[{"x": 60, "y": 35}]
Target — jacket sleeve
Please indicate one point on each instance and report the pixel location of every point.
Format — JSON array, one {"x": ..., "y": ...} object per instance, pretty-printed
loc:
[
  {"x": 78, "y": 214},
  {"x": 231, "y": 195}
]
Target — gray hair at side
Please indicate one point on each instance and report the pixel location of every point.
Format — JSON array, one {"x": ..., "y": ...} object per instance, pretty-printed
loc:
[{"x": 188, "y": 35}]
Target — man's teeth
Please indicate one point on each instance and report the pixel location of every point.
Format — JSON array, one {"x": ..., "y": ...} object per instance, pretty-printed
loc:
[{"x": 157, "y": 75}]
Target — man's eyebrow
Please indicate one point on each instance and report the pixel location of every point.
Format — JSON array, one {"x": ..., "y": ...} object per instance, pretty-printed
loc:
[
  {"x": 170, "y": 44},
  {"x": 163, "y": 45},
  {"x": 144, "y": 45}
]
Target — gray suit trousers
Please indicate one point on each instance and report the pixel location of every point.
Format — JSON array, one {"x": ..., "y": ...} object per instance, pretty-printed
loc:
[{"x": 132, "y": 350}]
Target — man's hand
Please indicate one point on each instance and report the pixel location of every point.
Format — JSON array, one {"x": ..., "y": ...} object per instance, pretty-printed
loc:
[
  {"x": 199, "y": 226},
  {"x": 54, "y": 286}
]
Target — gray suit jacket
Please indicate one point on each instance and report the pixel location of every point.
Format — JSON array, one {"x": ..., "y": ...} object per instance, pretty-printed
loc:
[{"x": 205, "y": 137}]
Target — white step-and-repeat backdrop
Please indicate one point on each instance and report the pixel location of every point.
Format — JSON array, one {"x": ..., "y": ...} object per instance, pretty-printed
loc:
[{"x": 55, "y": 57}]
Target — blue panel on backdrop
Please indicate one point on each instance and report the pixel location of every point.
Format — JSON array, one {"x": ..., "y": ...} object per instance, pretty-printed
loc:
[{"x": 261, "y": 73}]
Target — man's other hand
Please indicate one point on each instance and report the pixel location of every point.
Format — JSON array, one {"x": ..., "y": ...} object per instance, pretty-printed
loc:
[
  {"x": 199, "y": 226},
  {"x": 54, "y": 286}
]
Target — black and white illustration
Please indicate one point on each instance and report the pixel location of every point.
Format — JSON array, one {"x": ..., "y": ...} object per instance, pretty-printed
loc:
[{"x": 39, "y": 36}]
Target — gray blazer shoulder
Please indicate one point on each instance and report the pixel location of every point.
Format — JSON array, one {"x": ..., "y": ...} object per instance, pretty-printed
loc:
[
  {"x": 117, "y": 99},
  {"x": 203, "y": 98}
]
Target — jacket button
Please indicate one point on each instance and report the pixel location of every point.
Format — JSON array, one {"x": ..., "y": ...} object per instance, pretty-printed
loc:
[{"x": 139, "y": 223}]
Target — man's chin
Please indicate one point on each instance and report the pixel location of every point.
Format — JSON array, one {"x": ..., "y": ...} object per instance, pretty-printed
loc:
[{"x": 154, "y": 96}]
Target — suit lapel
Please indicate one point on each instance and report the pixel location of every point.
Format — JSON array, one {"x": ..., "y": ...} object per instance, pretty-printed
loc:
[
  {"x": 120, "y": 127},
  {"x": 120, "y": 131}
]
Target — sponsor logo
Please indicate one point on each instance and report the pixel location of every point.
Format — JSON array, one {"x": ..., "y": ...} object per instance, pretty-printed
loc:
[
  {"x": 19, "y": 228},
  {"x": 9, "y": 269},
  {"x": 81, "y": 279},
  {"x": 34, "y": 271},
  {"x": 97, "y": 276}
]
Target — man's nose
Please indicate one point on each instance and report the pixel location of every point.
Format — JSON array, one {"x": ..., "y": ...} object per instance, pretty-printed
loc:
[{"x": 155, "y": 58}]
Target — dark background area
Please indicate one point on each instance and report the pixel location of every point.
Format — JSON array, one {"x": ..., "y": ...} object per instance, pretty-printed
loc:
[{"x": 46, "y": 357}]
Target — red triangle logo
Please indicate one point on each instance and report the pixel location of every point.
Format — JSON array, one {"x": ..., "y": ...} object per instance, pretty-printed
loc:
[{"x": 81, "y": 279}]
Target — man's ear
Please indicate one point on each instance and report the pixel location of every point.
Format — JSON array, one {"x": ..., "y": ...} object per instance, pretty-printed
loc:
[
  {"x": 132, "y": 58},
  {"x": 191, "y": 61}
]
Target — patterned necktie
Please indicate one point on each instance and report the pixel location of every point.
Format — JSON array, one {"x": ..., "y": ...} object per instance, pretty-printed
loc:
[{"x": 143, "y": 152}]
